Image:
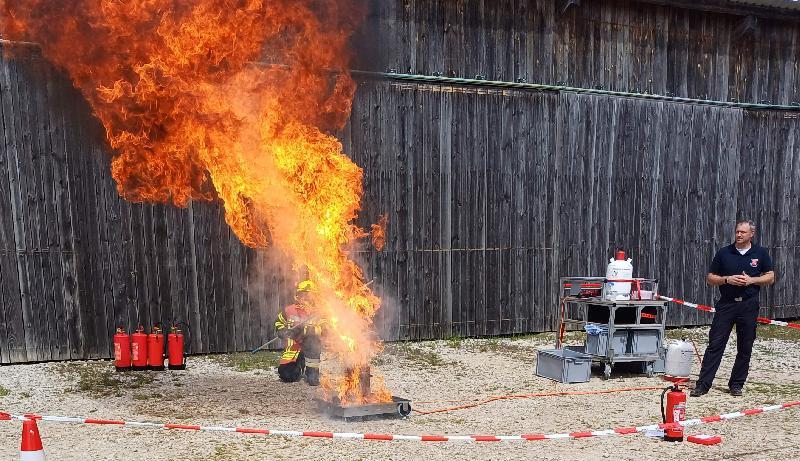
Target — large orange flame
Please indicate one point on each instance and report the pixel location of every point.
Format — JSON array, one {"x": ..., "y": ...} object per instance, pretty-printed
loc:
[{"x": 190, "y": 116}]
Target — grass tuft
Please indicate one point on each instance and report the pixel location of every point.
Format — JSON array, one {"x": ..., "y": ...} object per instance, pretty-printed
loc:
[
  {"x": 99, "y": 379},
  {"x": 246, "y": 361}
]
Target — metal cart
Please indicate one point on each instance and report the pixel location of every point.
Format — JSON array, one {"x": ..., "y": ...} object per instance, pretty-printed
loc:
[{"x": 631, "y": 330}]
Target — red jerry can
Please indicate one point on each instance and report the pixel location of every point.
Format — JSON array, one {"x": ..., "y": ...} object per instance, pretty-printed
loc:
[
  {"x": 122, "y": 350},
  {"x": 139, "y": 349}
]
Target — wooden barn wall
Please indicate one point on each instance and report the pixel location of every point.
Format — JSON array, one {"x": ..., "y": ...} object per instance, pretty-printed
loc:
[
  {"x": 76, "y": 260},
  {"x": 620, "y": 45},
  {"x": 491, "y": 195},
  {"x": 494, "y": 194}
]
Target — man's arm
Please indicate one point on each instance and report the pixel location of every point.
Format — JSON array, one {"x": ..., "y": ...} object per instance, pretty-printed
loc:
[
  {"x": 765, "y": 279},
  {"x": 715, "y": 280}
]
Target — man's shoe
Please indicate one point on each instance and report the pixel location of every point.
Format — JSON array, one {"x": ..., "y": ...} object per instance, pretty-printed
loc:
[
  {"x": 699, "y": 391},
  {"x": 736, "y": 391}
]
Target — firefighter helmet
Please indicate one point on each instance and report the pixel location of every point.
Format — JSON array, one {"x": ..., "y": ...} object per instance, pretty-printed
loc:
[{"x": 305, "y": 286}]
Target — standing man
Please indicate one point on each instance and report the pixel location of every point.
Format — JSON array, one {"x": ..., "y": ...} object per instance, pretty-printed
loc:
[{"x": 739, "y": 270}]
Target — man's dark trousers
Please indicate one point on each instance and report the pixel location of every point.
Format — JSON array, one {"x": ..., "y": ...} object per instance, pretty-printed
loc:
[{"x": 743, "y": 314}]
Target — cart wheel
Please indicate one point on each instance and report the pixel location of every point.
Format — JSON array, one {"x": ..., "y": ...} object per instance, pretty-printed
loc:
[
  {"x": 404, "y": 409},
  {"x": 607, "y": 371},
  {"x": 649, "y": 370}
]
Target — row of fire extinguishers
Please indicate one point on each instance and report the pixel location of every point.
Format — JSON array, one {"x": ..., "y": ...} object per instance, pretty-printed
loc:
[{"x": 140, "y": 351}]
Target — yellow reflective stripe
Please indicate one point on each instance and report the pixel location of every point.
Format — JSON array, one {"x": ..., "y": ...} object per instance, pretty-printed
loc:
[
  {"x": 290, "y": 355},
  {"x": 281, "y": 322}
]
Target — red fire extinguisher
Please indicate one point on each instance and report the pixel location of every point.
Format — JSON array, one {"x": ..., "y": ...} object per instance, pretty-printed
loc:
[
  {"x": 175, "y": 353},
  {"x": 155, "y": 349},
  {"x": 673, "y": 412},
  {"x": 122, "y": 350},
  {"x": 139, "y": 349}
]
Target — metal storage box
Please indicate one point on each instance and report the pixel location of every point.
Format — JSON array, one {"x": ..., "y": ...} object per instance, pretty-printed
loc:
[
  {"x": 598, "y": 344},
  {"x": 659, "y": 365},
  {"x": 564, "y": 365},
  {"x": 646, "y": 341}
]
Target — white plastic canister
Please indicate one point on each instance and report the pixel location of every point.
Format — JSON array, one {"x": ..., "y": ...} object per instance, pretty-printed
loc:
[
  {"x": 678, "y": 363},
  {"x": 619, "y": 269}
]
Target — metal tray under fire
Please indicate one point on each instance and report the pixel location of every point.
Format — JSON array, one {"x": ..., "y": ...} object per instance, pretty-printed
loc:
[{"x": 397, "y": 408}]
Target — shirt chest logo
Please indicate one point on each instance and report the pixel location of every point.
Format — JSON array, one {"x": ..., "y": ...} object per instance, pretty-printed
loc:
[{"x": 754, "y": 263}]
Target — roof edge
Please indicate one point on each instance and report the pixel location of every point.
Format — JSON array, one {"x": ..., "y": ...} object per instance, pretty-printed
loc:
[{"x": 760, "y": 8}]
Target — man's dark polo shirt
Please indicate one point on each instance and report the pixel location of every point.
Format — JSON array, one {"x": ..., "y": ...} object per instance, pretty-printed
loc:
[{"x": 728, "y": 261}]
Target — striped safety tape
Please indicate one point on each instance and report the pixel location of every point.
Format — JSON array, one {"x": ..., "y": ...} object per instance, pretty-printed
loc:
[
  {"x": 701, "y": 307},
  {"x": 416, "y": 438}
]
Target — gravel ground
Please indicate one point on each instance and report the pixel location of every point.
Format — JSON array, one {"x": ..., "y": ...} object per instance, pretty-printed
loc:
[{"x": 243, "y": 390}]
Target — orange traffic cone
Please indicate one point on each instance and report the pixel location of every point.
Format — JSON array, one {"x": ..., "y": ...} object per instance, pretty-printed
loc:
[{"x": 31, "y": 449}]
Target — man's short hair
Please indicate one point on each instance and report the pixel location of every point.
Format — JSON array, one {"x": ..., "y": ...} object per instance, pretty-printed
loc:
[{"x": 747, "y": 221}]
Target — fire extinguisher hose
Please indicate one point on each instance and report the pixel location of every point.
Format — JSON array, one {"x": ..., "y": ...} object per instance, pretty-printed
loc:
[
  {"x": 663, "y": 410},
  {"x": 188, "y": 342}
]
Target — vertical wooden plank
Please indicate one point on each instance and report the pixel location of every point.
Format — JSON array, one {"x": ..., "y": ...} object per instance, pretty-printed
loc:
[
  {"x": 457, "y": 203},
  {"x": 51, "y": 245},
  {"x": 678, "y": 53},
  {"x": 539, "y": 42},
  {"x": 149, "y": 267},
  {"x": 419, "y": 233},
  {"x": 721, "y": 47},
  {"x": 201, "y": 216},
  {"x": 624, "y": 50},
  {"x": 564, "y": 37},
  {"x": 136, "y": 247},
  {"x": 197, "y": 321},
  {"x": 108, "y": 223},
  {"x": 66, "y": 260},
  {"x": 660, "y": 56},
  {"x": 118, "y": 268},
  {"x": 222, "y": 284},
  {"x": 181, "y": 295},
  {"x": 236, "y": 289},
  {"x": 406, "y": 52},
  {"x": 445, "y": 213},
  {"x": 83, "y": 203},
  {"x": 547, "y": 176},
  {"x": 454, "y": 51},
  {"x": 14, "y": 347},
  {"x": 493, "y": 239},
  {"x": 22, "y": 196},
  {"x": 161, "y": 300},
  {"x": 505, "y": 209},
  {"x": 402, "y": 213},
  {"x": 186, "y": 300},
  {"x": 37, "y": 258}
]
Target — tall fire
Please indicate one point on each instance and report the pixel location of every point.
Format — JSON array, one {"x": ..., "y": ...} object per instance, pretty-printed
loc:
[{"x": 231, "y": 100}]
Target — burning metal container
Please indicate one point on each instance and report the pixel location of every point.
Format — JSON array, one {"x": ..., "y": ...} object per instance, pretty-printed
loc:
[{"x": 397, "y": 407}]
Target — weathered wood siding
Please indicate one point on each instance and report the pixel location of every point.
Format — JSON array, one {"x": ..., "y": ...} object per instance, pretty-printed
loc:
[
  {"x": 492, "y": 194},
  {"x": 620, "y": 45},
  {"x": 76, "y": 260}
]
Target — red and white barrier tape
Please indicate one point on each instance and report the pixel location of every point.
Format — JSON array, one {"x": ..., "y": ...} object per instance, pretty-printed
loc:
[
  {"x": 701, "y": 307},
  {"x": 415, "y": 438}
]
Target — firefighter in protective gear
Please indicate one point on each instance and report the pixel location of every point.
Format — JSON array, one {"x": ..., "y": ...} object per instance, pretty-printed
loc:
[{"x": 302, "y": 333}]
